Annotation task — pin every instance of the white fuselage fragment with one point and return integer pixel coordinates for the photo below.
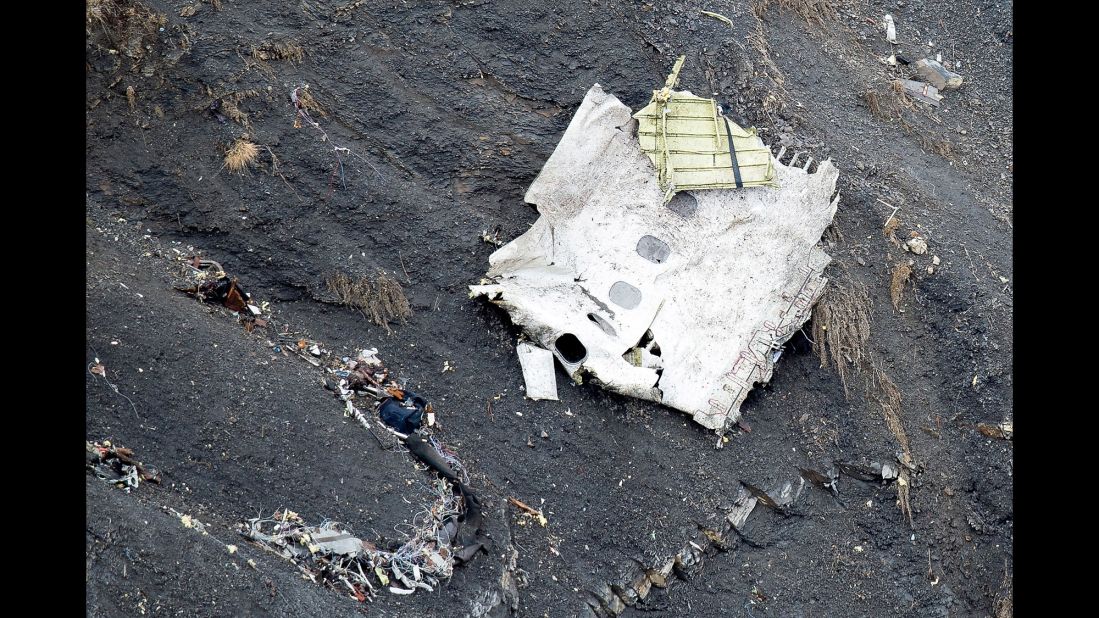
(720, 278)
(539, 375)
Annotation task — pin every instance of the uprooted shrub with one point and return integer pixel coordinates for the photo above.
(122, 26)
(841, 334)
(841, 326)
(380, 299)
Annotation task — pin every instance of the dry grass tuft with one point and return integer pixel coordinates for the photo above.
(938, 145)
(229, 106)
(309, 104)
(888, 105)
(232, 112)
(881, 388)
(125, 26)
(777, 99)
(345, 10)
(841, 327)
(279, 50)
(891, 105)
(941, 147)
(1002, 606)
(380, 300)
(99, 13)
(902, 272)
(240, 155)
(841, 335)
(890, 229)
(874, 103)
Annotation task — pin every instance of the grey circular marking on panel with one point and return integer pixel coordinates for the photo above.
(625, 295)
(653, 249)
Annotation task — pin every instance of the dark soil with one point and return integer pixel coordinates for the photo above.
(449, 109)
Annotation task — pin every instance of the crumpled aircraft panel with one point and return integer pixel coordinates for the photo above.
(686, 303)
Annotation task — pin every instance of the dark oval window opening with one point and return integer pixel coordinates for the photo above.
(570, 348)
(683, 204)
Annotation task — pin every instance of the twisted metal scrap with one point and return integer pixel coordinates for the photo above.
(421, 561)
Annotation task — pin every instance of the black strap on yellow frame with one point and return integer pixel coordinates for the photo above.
(732, 155)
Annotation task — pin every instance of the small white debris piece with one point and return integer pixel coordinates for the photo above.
(890, 29)
(315, 350)
(436, 560)
(916, 245)
(333, 541)
(447, 366)
(370, 357)
(232, 549)
(254, 309)
(538, 371)
(920, 91)
(934, 73)
(889, 471)
(396, 590)
(935, 261)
